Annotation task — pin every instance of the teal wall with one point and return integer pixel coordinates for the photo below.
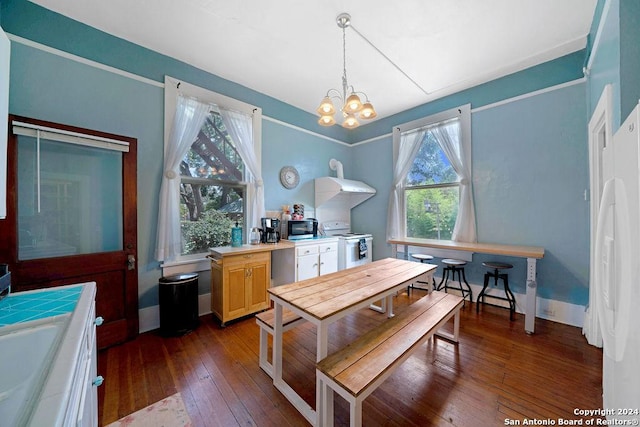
(529, 155)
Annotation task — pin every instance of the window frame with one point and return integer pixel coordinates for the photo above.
(174, 86)
(463, 113)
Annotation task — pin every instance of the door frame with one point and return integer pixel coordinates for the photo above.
(600, 131)
(46, 272)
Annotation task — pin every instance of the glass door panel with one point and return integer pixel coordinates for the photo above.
(69, 199)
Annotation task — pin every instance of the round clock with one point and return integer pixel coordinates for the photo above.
(289, 177)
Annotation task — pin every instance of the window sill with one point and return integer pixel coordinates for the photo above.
(191, 264)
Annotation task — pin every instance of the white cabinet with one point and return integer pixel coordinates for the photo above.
(69, 395)
(315, 259)
(307, 259)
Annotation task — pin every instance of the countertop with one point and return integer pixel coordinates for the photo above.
(222, 251)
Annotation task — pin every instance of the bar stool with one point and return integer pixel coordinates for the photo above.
(454, 266)
(496, 274)
(423, 259)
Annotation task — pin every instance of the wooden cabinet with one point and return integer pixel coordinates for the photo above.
(239, 284)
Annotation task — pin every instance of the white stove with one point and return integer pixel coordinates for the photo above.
(353, 248)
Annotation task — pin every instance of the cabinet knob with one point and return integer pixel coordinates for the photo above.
(97, 381)
(99, 321)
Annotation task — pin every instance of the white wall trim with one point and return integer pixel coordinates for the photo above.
(530, 94)
(298, 128)
(82, 60)
(596, 41)
(136, 77)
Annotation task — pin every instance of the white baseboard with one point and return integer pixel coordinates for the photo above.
(556, 311)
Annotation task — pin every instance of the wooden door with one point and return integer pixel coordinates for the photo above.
(72, 206)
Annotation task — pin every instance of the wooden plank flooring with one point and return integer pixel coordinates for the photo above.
(497, 373)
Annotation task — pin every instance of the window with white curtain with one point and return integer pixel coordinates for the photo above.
(432, 196)
(212, 171)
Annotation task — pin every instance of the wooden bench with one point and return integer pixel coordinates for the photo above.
(358, 369)
(266, 320)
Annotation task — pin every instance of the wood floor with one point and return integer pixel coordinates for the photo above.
(496, 375)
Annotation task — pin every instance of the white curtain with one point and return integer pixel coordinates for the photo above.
(187, 122)
(407, 150)
(240, 126)
(448, 136)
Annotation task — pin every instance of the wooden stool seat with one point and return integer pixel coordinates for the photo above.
(453, 266)
(496, 274)
(422, 258)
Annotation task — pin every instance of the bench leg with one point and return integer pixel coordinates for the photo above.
(456, 326)
(264, 361)
(355, 418)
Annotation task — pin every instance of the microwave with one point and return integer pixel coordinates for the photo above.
(302, 229)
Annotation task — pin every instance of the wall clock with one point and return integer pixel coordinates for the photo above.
(289, 177)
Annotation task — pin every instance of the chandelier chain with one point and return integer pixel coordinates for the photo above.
(344, 63)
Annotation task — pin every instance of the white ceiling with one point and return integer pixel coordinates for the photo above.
(292, 50)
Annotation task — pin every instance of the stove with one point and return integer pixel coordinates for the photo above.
(353, 248)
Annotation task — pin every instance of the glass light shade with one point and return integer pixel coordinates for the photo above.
(350, 122)
(326, 107)
(367, 111)
(326, 121)
(353, 104)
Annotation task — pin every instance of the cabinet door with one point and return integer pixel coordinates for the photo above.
(236, 291)
(328, 262)
(259, 282)
(307, 267)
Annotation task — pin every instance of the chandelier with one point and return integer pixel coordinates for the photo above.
(352, 106)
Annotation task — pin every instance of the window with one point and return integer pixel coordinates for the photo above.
(212, 188)
(432, 197)
(212, 173)
(431, 192)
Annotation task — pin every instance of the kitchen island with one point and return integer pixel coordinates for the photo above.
(240, 277)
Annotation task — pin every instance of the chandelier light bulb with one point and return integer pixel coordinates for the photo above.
(350, 122)
(326, 121)
(326, 107)
(353, 103)
(367, 111)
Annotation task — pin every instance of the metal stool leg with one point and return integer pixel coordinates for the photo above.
(466, 283)
(484, 288)
(510, 297)
(445, 279)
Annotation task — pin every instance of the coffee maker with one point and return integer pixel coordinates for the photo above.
(270, 230)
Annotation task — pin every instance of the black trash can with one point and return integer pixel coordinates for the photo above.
(178, 304)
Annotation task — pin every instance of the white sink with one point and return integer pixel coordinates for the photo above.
(26, 349)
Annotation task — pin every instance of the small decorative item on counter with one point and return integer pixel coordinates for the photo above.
(286, 213)
(298, 211)
(236, 236)
(254, 236)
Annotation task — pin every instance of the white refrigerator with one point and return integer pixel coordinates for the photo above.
(617, 271)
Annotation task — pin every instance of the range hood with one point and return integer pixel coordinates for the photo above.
(340, 192)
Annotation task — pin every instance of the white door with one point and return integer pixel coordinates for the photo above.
(600, 169)
(616, 274)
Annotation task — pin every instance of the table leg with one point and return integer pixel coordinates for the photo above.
(532, 290)
(324, 395)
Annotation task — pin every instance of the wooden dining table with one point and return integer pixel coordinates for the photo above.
(325, 299)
